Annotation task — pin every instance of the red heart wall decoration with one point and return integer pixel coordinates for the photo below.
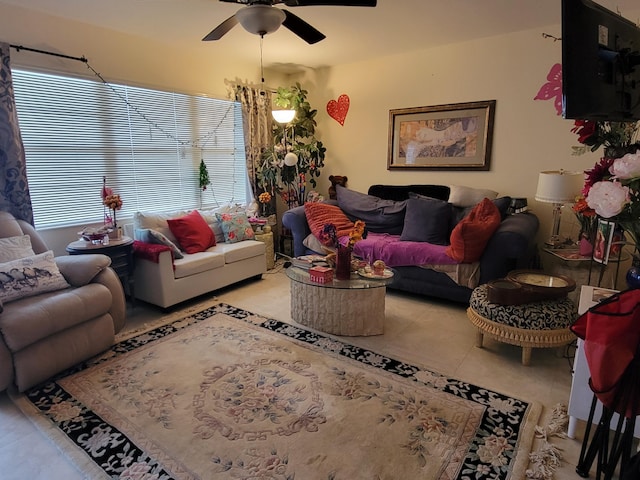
(338, 109)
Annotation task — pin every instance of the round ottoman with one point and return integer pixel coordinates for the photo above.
(530, 325)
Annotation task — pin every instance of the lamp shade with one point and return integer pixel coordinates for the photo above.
(260, 19)
(558, 186)
(283, 116)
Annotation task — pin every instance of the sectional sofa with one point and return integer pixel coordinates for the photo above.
(411, 228)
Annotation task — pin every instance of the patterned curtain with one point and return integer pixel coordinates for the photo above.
(258, 134)
(14, 188)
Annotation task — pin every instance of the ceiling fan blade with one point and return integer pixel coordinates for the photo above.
(220, 30)
(302, 28)
(337, 3)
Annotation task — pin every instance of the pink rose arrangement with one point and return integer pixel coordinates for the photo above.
(612, 189)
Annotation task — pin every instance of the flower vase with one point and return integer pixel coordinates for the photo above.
(633, 274)
(585, 247)
(343, 263)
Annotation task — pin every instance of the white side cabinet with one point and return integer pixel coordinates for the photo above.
(581, 394)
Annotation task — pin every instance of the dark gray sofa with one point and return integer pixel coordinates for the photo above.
(512, 246)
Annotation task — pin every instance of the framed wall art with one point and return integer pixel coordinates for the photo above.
(443, 137)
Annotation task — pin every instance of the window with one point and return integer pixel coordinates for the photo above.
(147, 143)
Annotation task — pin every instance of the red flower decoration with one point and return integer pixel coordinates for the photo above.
(599, 172)
(585, 129)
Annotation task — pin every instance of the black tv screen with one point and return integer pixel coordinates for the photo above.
(600, 63)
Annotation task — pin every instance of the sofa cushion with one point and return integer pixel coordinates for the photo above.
(157, 222)
(192, 232)
(197, 262)
(461, 196)
(52, 312)
(235, 226)
(235, 252)
(471, 235)
(427, 220)
(211, 219)
(30, 276)
(320, 214)
(147, 235)
(460, 212)
(385, 216)
(13, 248)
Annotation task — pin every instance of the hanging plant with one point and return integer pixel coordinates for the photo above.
(274, 175)
(204, 176)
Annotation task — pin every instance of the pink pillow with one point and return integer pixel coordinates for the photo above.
(471, 235)
(319, 214)
(192, 232)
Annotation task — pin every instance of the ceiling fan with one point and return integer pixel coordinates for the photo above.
(261, 17)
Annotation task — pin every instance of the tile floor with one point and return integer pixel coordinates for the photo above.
(431, 333)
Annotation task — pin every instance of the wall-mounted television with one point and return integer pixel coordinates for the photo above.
(600, 63)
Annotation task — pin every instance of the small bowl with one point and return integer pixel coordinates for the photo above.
(92, 237)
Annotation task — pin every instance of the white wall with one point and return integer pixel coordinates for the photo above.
(528, 134)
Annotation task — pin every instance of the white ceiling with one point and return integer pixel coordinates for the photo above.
(353, 33)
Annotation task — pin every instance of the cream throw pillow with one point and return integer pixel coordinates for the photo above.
(13, 248)
(30, 276)
(468, 196)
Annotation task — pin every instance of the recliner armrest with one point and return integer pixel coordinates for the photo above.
(79, 270)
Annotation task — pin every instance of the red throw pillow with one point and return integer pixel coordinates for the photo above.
(192, 232)
(471, 235)
(319, 214)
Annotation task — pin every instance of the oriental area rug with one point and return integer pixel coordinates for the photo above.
(227, 394)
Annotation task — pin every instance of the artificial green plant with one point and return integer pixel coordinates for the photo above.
(273, 175)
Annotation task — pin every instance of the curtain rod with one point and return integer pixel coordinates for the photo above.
(20, 47)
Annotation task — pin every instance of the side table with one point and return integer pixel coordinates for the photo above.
(267, 239)
(585, 271)
(121, 254)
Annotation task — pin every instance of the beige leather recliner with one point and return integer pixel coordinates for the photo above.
(45, 334)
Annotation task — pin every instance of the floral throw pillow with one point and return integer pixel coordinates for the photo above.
(30, 276)
(235, 226)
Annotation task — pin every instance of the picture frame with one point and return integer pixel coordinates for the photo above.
(443, 137)
(602, 249)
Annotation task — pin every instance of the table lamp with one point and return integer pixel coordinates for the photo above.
(558, 187)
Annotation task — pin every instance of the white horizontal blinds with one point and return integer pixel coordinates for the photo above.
(146, 142)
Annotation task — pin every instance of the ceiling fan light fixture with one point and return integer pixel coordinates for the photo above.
(260, 19)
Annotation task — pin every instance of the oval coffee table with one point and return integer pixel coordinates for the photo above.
(340, 307)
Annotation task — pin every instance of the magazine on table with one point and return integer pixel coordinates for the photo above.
(308, 261)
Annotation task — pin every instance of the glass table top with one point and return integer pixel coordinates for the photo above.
(354, 283)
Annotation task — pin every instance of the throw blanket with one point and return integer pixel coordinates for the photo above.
(396, 253)
(149, 251)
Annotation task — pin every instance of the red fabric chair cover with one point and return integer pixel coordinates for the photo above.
(611, 334)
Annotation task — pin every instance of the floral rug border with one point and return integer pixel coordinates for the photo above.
(503, 421)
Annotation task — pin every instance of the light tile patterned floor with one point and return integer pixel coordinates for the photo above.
(435, 334)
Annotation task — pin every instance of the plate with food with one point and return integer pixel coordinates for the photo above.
(386, 273)
(377, 270)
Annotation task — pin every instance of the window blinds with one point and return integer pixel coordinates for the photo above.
(147, 143)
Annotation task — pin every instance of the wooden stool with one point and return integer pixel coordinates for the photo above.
(531, 325)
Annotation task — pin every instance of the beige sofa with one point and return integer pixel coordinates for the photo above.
(165, 281)
(46, 333)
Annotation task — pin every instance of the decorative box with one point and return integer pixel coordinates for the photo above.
(321, 274)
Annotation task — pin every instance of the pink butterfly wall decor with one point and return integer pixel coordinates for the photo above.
(553, 88)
